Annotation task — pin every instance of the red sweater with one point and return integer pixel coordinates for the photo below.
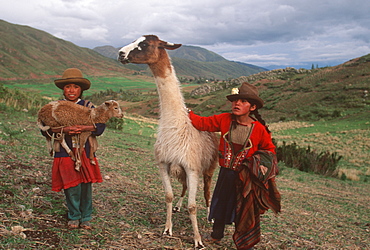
(260, 138)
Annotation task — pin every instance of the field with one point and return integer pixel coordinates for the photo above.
(317, 212)
(49, 90)
(348, 138)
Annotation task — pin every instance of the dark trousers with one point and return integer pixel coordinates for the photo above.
(79, 202)
(218, 229)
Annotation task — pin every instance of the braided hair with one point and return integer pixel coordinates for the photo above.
(258, 115)
(259, 118)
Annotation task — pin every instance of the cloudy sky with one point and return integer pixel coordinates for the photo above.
(298, 33)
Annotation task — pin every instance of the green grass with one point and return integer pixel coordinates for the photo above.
(98, 84)
(129, 210)
(116, 83)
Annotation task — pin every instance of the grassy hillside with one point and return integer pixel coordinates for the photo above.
(319, 94)
(28, 53)
(317, 212)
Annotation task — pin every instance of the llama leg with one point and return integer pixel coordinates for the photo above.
(49, 146)
(207, 181)
(79, 153)
(48, 139)
(93, 147)
(163, 170)
(67, 149)
(192, 207)
(78, 159)
(178, 206)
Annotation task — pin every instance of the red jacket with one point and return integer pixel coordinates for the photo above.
(260, 138)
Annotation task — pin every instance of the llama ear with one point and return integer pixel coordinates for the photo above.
(171, 46)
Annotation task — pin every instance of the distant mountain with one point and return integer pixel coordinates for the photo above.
(195, 62)
(28, 53)
(195, 53)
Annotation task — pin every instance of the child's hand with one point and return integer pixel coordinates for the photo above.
(73, 130)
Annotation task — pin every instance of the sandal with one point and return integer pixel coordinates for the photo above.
(86, 225)
(72, 224)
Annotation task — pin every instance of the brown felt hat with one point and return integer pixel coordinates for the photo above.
(246, 91)
(73, 75)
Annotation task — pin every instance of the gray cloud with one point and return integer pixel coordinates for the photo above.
(260, 32)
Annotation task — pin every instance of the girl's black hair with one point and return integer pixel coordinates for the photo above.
(259, 118)
(255, 113)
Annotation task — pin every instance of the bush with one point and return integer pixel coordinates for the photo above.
(307, 160)
(126, 95)
(17, 100)
(116, 123)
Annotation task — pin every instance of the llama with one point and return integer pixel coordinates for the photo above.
(59, 114)
(180, 149)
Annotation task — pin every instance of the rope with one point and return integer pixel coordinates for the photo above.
(59, 135)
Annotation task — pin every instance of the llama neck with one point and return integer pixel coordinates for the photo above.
(99, 114)
(172, 106)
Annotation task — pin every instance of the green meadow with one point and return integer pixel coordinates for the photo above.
(129, 209)
(318, 212)
(98, 84)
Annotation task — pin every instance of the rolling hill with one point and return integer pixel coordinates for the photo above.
(28, 53)
(326, 93)
(332, 92)
(195, 62)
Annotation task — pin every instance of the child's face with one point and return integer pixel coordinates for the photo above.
(72, 92)
(242, 107)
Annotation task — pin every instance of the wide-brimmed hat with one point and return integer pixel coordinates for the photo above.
(73, 75)
(246, 91)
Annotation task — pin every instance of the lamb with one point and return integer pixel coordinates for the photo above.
(180, 149)
(59, 114)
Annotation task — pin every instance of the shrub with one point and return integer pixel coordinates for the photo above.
(126, 95)
(307, 160)
(116, 123)
(14, 99)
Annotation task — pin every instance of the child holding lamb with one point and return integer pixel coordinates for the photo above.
(77, 185)
(245, 186)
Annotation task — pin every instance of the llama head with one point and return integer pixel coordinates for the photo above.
(113, 109)
(145, 50)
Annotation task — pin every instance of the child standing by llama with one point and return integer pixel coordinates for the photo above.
(77, 185)
(245, 186)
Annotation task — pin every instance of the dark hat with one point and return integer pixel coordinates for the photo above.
(246, 91)
(73, 75)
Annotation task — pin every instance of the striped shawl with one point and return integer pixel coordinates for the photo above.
(256, 193)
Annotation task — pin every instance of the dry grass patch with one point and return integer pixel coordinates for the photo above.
(352, 144)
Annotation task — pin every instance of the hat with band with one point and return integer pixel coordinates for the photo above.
(73, 75)
(246, 91)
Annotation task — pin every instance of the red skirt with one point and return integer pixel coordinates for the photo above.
(65, 176)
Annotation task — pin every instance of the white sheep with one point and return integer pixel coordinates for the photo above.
(59, 114)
